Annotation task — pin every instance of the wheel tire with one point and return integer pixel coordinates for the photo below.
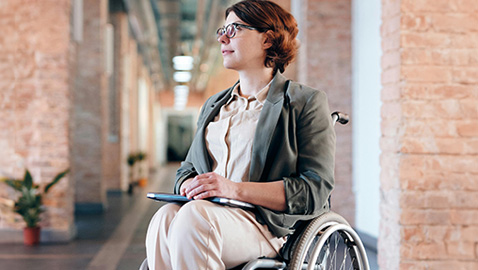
(317, 229)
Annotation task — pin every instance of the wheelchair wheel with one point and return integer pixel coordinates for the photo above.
(329, 243)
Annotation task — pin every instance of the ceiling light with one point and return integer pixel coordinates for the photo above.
(183, 62)
(182, 76)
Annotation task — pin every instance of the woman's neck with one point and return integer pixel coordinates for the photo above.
(254, 81)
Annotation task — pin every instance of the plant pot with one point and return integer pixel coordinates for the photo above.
(143, 182)
(31, 236)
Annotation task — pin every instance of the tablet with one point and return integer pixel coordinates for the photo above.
(168, 197)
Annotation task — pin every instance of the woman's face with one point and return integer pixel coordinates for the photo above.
(246, 50)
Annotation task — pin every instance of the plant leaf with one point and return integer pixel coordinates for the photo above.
(14, 183)
(56, 179)
(27, 180)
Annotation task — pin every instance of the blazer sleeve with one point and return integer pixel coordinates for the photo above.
(307, 193)
(187, 169)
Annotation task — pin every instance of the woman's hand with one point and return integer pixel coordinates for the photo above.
(184, 185)
(209, 185)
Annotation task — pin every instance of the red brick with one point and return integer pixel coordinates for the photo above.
(467, 128)
(390, 92)
(469, 108)
(422, 56)
(464, 217)
(425, 40)
(425, 5)
(451, 263)
(433, 74)
(463, 40)
(461, 250)
(424, 216)
(392, 43)
(450, 22)
(464, 57)
(469, 233)
(412, 234)
(414, 22)
(465, 200)
(412, 265)
(430, 127)
(390, 60)
(392, 111)
(391, 25)
(390, 76)
(424, 251)
(466, 6)
(465, 75)
(390, 8)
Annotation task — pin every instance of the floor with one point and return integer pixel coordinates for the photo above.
(112, 240)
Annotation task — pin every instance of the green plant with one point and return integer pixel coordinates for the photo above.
(132, 158)
(29, 204)
(140, 156)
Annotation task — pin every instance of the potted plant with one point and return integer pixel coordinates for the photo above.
(142, 182)
(131, 160)
(29, 204)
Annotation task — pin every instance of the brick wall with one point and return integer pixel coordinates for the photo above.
(35, 51)
(429, 140)
(325, 63)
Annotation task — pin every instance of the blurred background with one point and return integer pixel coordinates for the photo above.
(112, 89)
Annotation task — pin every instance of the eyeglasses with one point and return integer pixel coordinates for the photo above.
(231, 29)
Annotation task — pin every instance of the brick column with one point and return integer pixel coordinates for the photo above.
(429, 181)
(115, 170)
(120, 23)
(324, 62)
(90, 103)
(35, 47)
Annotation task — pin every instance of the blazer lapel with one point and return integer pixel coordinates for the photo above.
(266, 125)
(202, 160)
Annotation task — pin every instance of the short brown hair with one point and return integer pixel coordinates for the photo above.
(267, 15)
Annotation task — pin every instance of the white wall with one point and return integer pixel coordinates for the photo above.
(365, 118)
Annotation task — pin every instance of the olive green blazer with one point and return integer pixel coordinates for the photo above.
(294, 142)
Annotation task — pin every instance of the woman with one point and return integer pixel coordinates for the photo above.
(266, 140)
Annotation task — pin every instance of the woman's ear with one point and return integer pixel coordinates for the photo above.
(268, 37)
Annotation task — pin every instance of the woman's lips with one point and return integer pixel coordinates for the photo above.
(226, 52)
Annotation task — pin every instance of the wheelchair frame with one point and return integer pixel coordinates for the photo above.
(322, 240)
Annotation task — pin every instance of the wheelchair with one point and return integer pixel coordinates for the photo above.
(326, 242)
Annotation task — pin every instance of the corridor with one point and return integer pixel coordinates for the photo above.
(113, 240)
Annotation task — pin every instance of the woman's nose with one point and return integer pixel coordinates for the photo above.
(223, 39)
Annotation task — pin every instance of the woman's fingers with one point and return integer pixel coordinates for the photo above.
(205, 186)
(184, 186)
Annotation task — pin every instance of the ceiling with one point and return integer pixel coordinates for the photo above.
(166, 28)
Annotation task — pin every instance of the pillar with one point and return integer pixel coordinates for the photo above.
(429, 180)
(90, 110)
(35, 81)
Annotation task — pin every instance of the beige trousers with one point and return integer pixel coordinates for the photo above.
(204, 235)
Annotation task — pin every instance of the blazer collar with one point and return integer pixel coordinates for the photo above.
(266, 126)
(277, 88)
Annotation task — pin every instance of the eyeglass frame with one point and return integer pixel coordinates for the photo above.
(235, 25)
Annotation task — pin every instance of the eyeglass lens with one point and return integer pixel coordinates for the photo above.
(228, 30)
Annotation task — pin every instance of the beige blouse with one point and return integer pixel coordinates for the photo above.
(230, 136)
